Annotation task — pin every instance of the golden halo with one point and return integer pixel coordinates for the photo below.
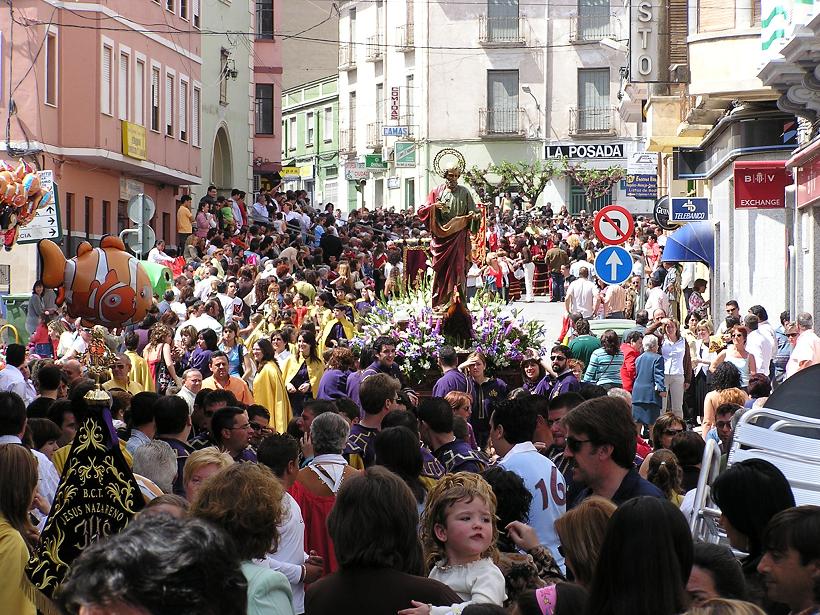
(461, 164)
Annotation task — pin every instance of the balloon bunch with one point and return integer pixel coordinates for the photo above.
(20, 197)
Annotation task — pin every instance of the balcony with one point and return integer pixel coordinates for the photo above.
(375, 48)
(501, 122)
(347, 141)
(591, 26)
(592, 120)
(374, 135)
(501, 31)
(347, 57)
(404, 38)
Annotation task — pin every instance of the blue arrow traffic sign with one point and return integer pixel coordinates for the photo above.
(613, 265)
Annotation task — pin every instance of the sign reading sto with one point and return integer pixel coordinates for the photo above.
(134, 141)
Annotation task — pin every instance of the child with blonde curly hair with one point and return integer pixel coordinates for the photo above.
(459, 534)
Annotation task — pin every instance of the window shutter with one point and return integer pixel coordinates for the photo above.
(139, 94)
(715, 16)
(183, 110)
(195, 117)
(678, 31)
(123, 87)
(106, 80)
(155, 88)
(195, 12)
(169, 105)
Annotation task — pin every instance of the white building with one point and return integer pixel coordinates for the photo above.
(498, 81)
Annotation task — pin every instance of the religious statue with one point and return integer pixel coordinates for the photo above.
(452, 215)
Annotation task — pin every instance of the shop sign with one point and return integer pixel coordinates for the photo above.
(642, 186)
(134, 142)
(394, 103)
(808, 182)
(587, 151)
(644, 42)
(291, 173)
(761, 184)
(405, 154)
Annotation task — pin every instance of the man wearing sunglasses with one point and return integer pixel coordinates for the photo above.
(563, 380)
(602, 441)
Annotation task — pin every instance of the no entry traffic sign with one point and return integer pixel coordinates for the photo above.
(614, 225)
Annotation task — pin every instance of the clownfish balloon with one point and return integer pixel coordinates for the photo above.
(102, 286)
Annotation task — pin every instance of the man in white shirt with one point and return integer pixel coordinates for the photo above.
(207, 319)
(764, 326)
(759, 345)
(280, 453)
(575, 268)
(202, 290)
(191, 385)
(231, 304)
(512, 427)
(581, 295)
(656, 299)
(157, 254)
(12, 378)
(806, 351)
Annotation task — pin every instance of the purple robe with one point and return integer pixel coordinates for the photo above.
(452, 380)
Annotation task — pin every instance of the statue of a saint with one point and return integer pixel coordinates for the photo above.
(451, 214)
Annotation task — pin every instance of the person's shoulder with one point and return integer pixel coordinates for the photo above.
(262, 579)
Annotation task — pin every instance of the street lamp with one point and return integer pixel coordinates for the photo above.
(527, 90)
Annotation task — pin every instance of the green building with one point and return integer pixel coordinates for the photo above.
(310, 139)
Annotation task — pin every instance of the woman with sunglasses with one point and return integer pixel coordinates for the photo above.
(737, 355)
(702, 358)
(665, 428)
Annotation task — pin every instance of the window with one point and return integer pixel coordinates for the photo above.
(264, 109)
(502, 21)
(106, 217)
(106, 90)
(593, 20)
(351, 111)
(223, 77)
(183, 110)
(502, 101)
(122, 216)
(195, 12)
(183, 9)
(169, 104)
(155, 98)
(89, 214)
(579, 201)
(327, 128)
(139, 93)
(196, 103)
(408, 101)
(292, 133)
(169, 5)
(123, 86)
(593, 99)
(310, 128)
(51, 68)
(264, 19)
(379, 102)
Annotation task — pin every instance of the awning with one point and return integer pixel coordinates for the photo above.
(691, 243)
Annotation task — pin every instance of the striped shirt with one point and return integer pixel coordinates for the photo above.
(604, 368)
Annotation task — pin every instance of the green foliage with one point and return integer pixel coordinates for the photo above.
(596, 182)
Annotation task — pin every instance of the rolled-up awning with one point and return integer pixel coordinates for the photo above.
(691, 243)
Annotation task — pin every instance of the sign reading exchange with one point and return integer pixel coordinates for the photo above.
(590, 151)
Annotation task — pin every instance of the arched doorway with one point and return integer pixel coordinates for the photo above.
(222, 163)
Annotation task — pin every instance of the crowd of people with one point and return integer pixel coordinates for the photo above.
(285, 473)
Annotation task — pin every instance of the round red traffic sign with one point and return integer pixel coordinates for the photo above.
(614, 225)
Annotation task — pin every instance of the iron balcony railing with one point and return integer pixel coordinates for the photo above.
(347, 57)
(404, 38)
(501, 122)
(347, 141)
(591, 120)
(374, 48)
(501, 31)
(591, 26)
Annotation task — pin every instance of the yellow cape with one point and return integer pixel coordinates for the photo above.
(269, 391)
(347, 326)
(315, 371)
(140, 372)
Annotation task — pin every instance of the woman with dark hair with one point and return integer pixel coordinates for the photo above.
(303, 372)
(716, 573)
(604, 368)
(749, 493)
(688, 447)
(760, 387)
(725, 389)
(239, 359)
(160, 359)
(269, 385)
(246, 500)
(397, 449)
(35, 307)
(486, 390)
(201, 356)
(636, 577)
(186, 344)
(677, 365)
(18, 475)
(532, 372)
(374, 528)
(737, 354)
(333, 383)
(535, 567)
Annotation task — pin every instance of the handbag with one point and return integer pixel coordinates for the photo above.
(163, 376)
(518, 274)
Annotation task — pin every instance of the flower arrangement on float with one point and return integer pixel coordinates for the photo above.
(499, 332)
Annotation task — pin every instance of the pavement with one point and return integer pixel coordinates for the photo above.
(551, 314)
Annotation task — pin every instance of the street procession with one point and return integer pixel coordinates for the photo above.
(410, 307)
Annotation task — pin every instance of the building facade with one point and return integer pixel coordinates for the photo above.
(721, 134)
(497, 81)
(267, 92)
(310, 142)
(228, 100)
(308, 31)
(112, 111)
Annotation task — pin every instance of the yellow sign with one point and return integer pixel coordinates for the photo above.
(290, 172)
(306, 171)
(134, 141)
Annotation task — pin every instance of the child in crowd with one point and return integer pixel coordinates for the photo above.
(666, 474)
(459, 534)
